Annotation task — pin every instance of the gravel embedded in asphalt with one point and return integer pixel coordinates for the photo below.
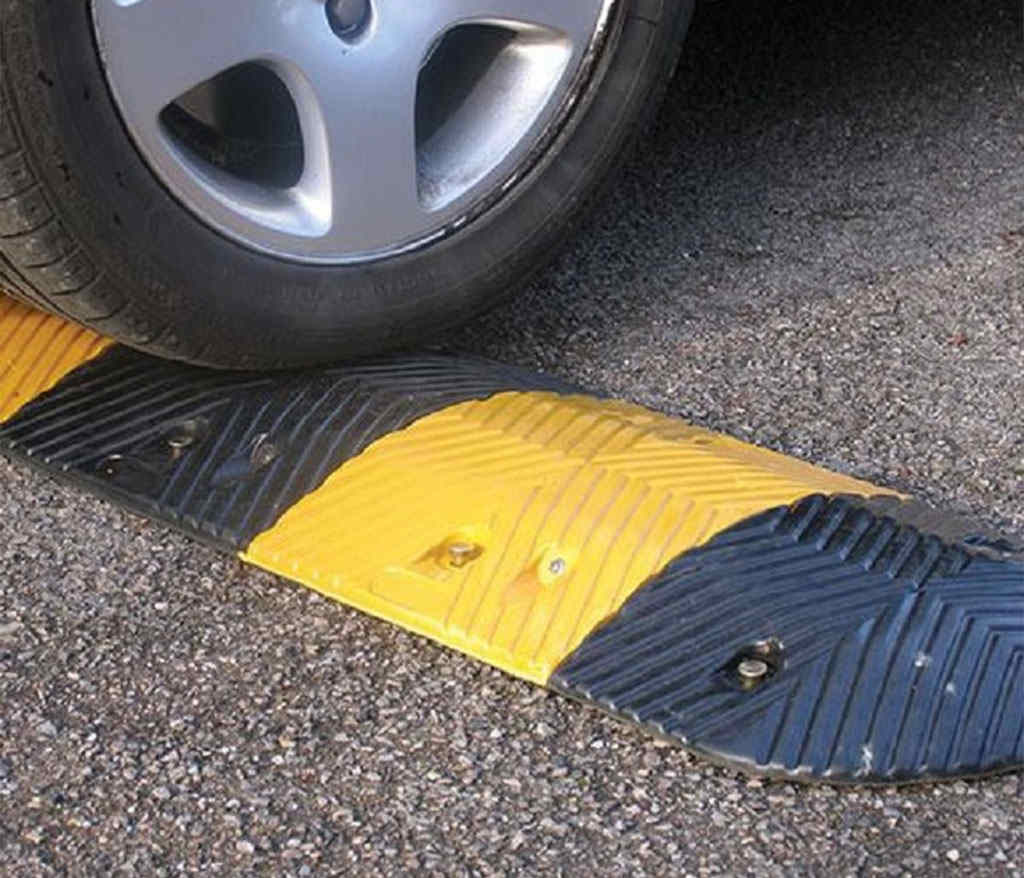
(818, 249)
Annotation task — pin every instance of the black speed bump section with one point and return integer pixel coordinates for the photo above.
(221, 455)
(823, 640)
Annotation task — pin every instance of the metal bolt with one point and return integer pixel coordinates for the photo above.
(752, 669)
(180, 439)
(462, 553)
(111, 466)
(557, 567)
(264, 452)
(184, 435)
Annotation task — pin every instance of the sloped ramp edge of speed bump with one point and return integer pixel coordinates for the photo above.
(756, 609)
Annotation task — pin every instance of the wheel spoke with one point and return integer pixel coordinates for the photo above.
(357, 111)
(165, 47)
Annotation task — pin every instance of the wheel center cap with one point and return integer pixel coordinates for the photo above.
(348, 18)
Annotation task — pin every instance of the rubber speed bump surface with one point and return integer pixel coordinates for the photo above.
(756, 609)
(563, 506)
(36, 351)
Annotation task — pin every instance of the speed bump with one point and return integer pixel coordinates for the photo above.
(760, 611)
(37, 351)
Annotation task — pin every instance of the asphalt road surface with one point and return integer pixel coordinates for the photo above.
(819, 249)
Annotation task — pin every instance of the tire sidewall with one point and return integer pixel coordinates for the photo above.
(197, 294)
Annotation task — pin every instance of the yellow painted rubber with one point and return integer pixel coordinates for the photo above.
(508, 529)
(36, 351)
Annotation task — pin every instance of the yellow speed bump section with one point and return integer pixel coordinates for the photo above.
(36, 351)
(510, 528)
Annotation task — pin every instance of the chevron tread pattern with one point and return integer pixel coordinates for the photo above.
(612, 491)
(893, 636)
(900, 656)
(260, 441)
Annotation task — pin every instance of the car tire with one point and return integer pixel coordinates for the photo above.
(88, 230)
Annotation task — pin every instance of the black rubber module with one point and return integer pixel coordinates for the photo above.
(831, 640)
(223, 455)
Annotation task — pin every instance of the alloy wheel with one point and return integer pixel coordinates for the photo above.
(345, 131)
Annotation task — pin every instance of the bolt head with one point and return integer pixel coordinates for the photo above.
(185, 434)
(180, 440)
(752, 669)
(264, 452)
(461, 553)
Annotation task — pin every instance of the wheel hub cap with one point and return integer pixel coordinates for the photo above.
(348, 17)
